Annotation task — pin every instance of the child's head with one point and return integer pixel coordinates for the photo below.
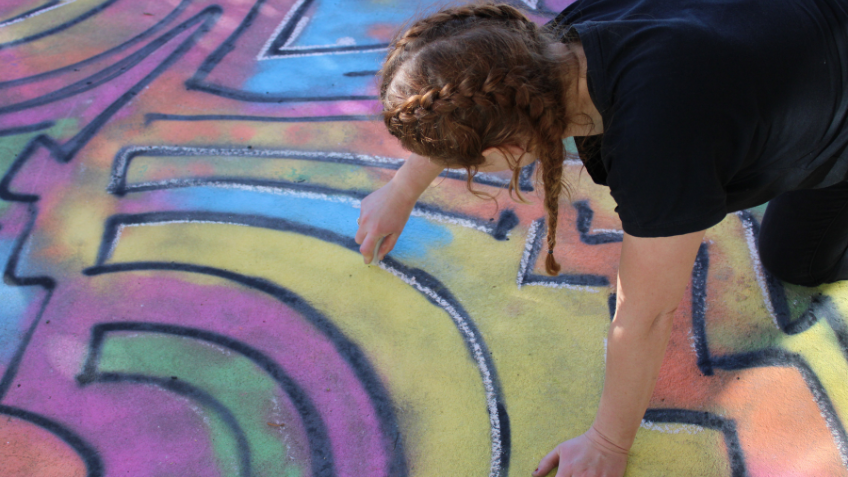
(472, 78)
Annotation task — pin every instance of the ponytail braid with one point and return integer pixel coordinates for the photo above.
(476, 77)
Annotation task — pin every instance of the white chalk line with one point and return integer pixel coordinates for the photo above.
(286, 19)
(607, 231)
(525, 264)
(120, 168)
(459, 320)
(298, 29)
(820, 399)
(35, 14)
(355, 203)
(671, 428)
(307, 50)
(477, 354)
(528, 248)
(759, 272)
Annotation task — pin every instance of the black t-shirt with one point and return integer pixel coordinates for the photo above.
(712, 106)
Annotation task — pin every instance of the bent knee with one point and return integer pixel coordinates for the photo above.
(794, 268)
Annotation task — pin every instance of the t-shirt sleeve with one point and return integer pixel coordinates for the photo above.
(664, 144)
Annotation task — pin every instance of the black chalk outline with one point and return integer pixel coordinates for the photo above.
(706, 420)
(30, 13)
(123, 46)
(110, 72)
(124, 157)
(112, 230)
(585, 215)
(11, 278)
(323, 464)
(150, 118)
(64, 153)
(27, 129)
(278, 49)
(61, 27)
(535, 236)
(194, 393)
(507, 220)
(774, 287)
(583, 223)
(198, 81)
(767, 357)
(354, 74)
(87, 453)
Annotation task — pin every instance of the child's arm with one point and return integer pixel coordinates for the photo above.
(386, 210)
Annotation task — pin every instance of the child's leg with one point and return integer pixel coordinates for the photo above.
(804, 236)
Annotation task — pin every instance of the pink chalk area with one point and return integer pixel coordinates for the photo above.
(146, 431)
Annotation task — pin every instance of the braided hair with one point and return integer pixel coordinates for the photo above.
(475, 77)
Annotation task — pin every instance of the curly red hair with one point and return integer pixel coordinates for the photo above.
(476, 77)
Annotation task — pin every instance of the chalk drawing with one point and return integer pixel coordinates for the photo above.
(35, 12)
(183, 294)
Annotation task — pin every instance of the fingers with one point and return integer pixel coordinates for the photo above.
(366, 248)
(374, 248)
(388, 244)
(376, 257)
(547, 464)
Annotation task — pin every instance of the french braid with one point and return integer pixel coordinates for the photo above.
(470, 78)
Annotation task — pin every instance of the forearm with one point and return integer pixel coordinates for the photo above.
(635, 349)
(652, 278)
(415, 175)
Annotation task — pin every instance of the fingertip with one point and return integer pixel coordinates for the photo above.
(547, 464)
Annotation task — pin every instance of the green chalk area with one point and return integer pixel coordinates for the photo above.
(12, 146)
(232, 379)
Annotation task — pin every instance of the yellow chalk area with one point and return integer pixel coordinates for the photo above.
(737, 317)
(819, 347)
(678, 450)
(413, 345)
(44, 21)
(547, 344)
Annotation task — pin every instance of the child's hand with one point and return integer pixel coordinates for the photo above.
(589, 455)
(384, 214)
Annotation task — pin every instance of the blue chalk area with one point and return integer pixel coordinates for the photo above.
(15, 302)
(331, 20)
(419, 237)
(317, 76)
(335, 22)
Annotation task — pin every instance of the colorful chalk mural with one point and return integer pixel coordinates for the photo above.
(182, 293)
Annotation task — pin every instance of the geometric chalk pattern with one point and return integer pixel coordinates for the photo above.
(182, 293)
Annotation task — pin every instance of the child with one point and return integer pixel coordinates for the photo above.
(686, 110)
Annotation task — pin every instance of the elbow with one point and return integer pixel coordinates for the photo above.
(664, 319)
(644, 325)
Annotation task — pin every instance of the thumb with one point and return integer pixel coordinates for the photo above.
(547, 464)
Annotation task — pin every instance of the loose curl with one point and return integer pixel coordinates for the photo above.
(476, 77)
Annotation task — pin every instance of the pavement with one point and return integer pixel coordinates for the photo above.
(182, 293)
